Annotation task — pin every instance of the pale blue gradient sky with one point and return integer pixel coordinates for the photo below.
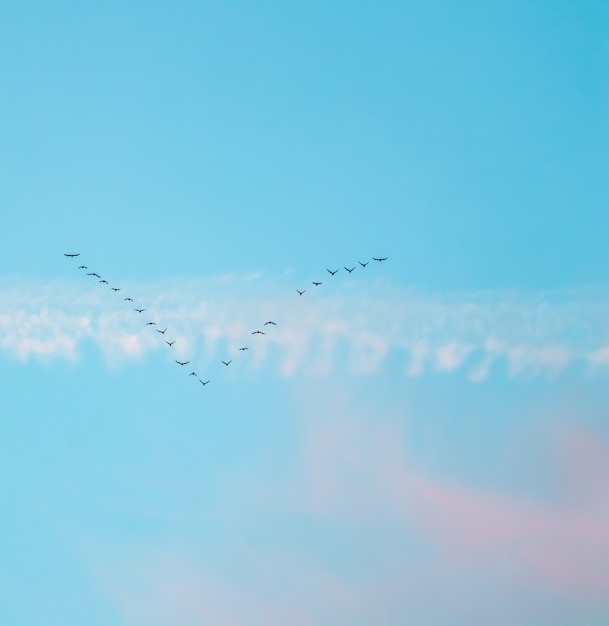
(423, 441)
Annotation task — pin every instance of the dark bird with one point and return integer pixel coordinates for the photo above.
(103, 281)
(332, 272)
(270, 322)
(139, 310)
(363, 264)
(383, 259)
(93, 274)
(192, 374)
(349, 270)
(241, 349)
(258, 332)
(83, 267)
(160, 331)
(115, 288)
(129, 299)
(316, 284)
(182, 362)
(151, 324)
(71, 255)
(227, 363)
(203, 383)
(300, 292)
(170, 343)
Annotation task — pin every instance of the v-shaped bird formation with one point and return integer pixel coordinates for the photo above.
(151, 323)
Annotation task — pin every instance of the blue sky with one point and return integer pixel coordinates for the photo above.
(424, 440)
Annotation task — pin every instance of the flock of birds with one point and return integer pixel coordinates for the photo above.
(162, 332)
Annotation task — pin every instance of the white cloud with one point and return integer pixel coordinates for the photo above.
(600, 356)
(451, 355)
(532, 333)
(418, 353)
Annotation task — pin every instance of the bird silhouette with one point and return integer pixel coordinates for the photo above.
(227, 364)
(203, 383)
(170, 343)
(139, 310)
(192, 374)
(300, 292)
(258, 332)
(363, 264)
(182, 362)
(349, 270)
(160, 331)
(241, 349)
(270, 322)
(129, 299)
(333, 272)
(382, 259)
(103, 281)
(115, 288)
(71, 255)
(93, 274)
(150, 323)
(317, 284)
(83, 267)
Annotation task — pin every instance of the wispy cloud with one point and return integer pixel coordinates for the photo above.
(418, 547)
(358, 471)
(361, 327)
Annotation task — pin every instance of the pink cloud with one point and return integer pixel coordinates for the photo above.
(562, 542)
(565, 545)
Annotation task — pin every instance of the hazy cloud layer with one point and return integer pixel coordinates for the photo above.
(413, 546)
(360, 325)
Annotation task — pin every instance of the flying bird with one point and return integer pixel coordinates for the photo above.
(241, 349)
(227, 364)
(316, 284)
(363, 264)
(151, 324)
(258, 332)
(93, 274)
(160, 331)
(270, 322)
(83, 267)
(192, 374)
(115, 288)
(139, 310)
(170, 343)
(182, 362)
(103, 281)
(71, 255)
(300, 292)
(129, 299)
(349, 270)
(203, 383)
(332, 272)
(383, 259)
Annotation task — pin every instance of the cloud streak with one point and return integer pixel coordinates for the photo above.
(357, 470)
(421, 547)
(360, 327)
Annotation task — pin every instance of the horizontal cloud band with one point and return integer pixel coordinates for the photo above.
(531, 332)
